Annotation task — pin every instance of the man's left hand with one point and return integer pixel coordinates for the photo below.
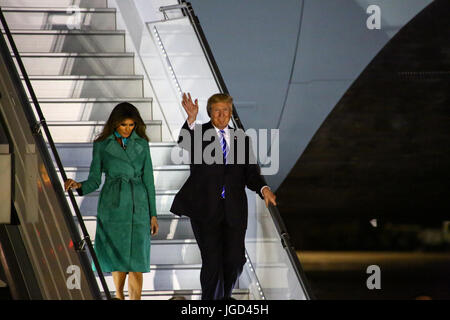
(269, 197)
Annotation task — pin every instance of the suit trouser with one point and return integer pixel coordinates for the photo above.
(222, 248)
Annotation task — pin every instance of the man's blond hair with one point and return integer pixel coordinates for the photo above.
(218, 97)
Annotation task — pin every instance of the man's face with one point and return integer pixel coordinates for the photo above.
(126, 127)
(221, 114)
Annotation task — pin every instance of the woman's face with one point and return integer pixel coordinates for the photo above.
(125, 127)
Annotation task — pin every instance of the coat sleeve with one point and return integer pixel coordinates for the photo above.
(253, 178)
(149, 182)
(95, 173)
(188, 132)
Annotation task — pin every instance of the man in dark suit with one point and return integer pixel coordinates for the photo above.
(214, 194)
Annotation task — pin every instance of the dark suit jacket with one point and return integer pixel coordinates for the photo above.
(199, 198)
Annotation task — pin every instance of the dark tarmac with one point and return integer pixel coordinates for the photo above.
(404, 275)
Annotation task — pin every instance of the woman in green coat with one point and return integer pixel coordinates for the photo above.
(126, 212)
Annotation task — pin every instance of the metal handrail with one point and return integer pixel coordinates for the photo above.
(276, 217)
(36, 128)
(286, 243)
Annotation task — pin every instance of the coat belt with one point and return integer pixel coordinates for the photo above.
(116, 187)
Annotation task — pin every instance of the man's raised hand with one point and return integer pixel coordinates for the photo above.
(190, 107)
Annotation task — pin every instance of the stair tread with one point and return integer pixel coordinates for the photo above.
(165, 215)
(170, 242)
(197, 266)
(191, 290)
(236, 290)
(159, 192)
(83, 77)
(175, 266)
(186, 292)
(56, 3)
(169, 167)
(164, 242)
(174, 241)
(55, 9)
(91, 122)
(76, 32)
(75, 54)
(89, 144)
(112, 99)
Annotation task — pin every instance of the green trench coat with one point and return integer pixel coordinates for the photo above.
(126, 203)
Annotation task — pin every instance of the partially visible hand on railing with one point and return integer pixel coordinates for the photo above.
(269, 197)
(71, 184)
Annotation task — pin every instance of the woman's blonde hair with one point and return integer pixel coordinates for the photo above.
(218, 97)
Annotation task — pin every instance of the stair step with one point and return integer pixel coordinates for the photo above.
(55, 3)
(192, 294)
(59, 64)
(174, 252)
(238, 294)
(163, 278)
(163, 262)
(90, 109)
(182, 251)
(44, 18)
(171, 227)
(80, 154)
(166, 177)
(168, 277)
(87, 86)
(88, 203)
(69, 41)
(186, 252)
(86, 131)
